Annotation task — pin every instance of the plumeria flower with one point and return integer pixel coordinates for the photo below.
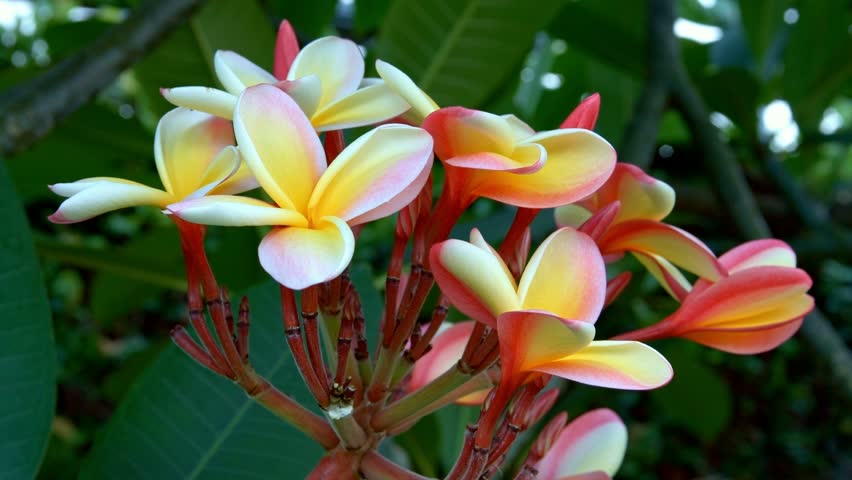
(315, 204)
(326, 78)
(627, 212)
(195, 156)
(591, 447)
(502, 158)
(759, 306)
(545, 323)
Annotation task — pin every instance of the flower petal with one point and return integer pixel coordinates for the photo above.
(520, 130)
(236, 73)
(529, 338)
(566, 276)
(306, 91)
(211, 100)
(765, 252)
(571, 215)
(461, 131)
(234, 211)
(279, 145)
(675, 245)
(594, 441)
(578, 162)
(585, 115)
(746, 341)
(614, 364)
(474, 280)
(421, 104)
(336, 61)
(525, 158)
(286, 50)
(365, 106)
(667, 274)
(92, 197)
(185, 143)
(642, 196)
(365, 180)
(752, 297)
(300, 257)
(228, 174)
(478, 240)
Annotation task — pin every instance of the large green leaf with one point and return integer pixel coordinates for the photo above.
(27, 357)
(181, 421)
(612, 31)
(461, 51)
(186, 57)
(816, 60)
(763, 19)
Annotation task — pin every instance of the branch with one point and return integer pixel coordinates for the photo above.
(640, 138)
(31, 110)
(737, 197)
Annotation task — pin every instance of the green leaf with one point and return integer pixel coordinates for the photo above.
(697, 399)
(369, 15)
(422, 443)
(762, 19)
(611, 31)
(92, 142)
(26, 344)
(181, 421)
(186, 57)
(460, 52)
(310, 19)
(816, 61)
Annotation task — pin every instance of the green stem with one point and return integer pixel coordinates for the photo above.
(291, 412)
(450, 386)
(346, 427)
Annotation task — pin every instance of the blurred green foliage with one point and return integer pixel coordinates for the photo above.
(776, 73)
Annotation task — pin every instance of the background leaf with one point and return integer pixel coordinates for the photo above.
(459, 52)
(181, 421)
(27, 356)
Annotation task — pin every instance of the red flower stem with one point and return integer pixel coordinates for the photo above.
(334, 144)
(290, 411)
(392, 286)
(344, 342)
(338, 463)
(188, 345)
(528, 472)
(196, 318)
(421, 347)
(334, 295)
(294, 339)
(523, 218)
(243, 329)
(376, 467)
(406, 323)
(478, 461)
(216, 308)
(463, 460)
(310, 312)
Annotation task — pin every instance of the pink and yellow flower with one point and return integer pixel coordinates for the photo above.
(591, 447)
(326, 78)
(195, 156)
(315, 204)
(626, 214)
(759, 306)
(545, 323)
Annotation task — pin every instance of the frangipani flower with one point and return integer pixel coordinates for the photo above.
(589, 448)
(195, 156)
(312, 242)
(759, 306)
(627, 212)
(545, 323)
(501, 158)
(326, 78)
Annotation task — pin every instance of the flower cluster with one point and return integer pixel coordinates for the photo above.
(531, 317)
